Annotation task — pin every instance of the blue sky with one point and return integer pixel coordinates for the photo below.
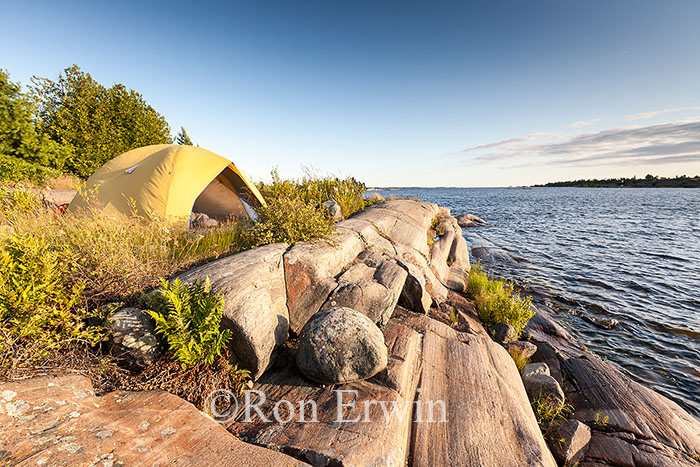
(445, 93)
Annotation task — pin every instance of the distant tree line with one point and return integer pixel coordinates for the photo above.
(72, 125)
(650, 181)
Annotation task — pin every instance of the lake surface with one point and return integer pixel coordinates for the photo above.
(596, 255)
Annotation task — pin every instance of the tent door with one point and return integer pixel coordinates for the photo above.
(220, 201)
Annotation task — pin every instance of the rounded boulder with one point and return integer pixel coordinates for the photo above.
(340, 345)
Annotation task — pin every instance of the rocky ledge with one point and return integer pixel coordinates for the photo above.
(365, 352)
(631, 424)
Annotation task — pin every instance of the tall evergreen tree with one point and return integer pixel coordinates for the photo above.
(183, 138)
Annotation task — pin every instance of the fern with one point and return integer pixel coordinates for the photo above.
(189, 319)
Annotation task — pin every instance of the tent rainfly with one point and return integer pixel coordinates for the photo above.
(169, 181)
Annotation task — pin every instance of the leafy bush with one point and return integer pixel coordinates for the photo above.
(190, 322)
(497, 302)
(314, 190)
(294, 210)
(16, 170)
(288, 219)
(17, 202)
(39, 311)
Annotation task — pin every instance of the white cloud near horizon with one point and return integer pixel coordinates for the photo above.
(583, 123)
(666, 143)
(654, 113)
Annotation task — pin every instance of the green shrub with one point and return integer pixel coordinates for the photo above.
(348, 192)
(39, 311)
(17, 202)
(314, 190)
(497, 302)
(25, 153)
(295, 212)
(288, 219)
(16, 170)
(190, 322)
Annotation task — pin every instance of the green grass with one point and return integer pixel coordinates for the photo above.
(519, 360)
(497, 301)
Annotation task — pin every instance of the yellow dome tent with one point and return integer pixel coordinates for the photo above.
(169, 181)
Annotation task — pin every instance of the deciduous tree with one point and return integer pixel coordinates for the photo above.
(94, 122)
(24, 153)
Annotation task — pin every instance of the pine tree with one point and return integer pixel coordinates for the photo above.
(183, 138)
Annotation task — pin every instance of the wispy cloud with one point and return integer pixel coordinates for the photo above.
(654, 113)
(507, 142)
(654, 144)
(583, 123)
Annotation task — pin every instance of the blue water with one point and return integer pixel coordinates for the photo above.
(597, 255)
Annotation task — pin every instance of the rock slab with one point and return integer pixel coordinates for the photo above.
(483, 401)
(352, 428)
(569, 440)
(310, 269)
(59, 421)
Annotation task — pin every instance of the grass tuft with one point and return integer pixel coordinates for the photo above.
(497, 301)
(548, 412)
(519, 359)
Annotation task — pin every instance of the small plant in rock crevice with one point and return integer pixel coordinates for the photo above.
(519, 359)
(693, 454)
(454, 316)
(601, 421)
(548, 412)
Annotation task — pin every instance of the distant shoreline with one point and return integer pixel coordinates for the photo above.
(650, 181)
